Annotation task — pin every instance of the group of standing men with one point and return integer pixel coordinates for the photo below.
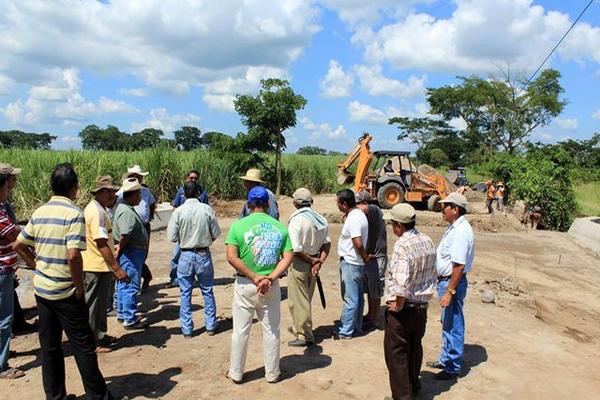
(494, 193)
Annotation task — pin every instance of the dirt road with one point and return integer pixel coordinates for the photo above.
(539, 340)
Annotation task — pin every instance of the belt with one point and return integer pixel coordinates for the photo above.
(446, 278)
(197, 249)
(416, 306)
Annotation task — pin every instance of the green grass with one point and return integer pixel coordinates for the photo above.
(588, 198)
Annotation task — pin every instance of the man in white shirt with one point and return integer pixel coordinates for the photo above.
(309, 235)
(353, 257)
(454, 260)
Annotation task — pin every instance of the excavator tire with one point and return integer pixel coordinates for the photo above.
(433, 203)
(390, 194)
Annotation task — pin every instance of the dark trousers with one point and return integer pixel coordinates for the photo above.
(97, 289)
(19, 315)
(71, 315)
(403, 350)
(146, 274)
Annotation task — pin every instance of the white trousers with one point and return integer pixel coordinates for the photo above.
(246, 302)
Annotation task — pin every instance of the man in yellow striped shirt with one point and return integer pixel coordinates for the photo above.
(57, 232)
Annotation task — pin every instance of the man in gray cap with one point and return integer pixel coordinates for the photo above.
(409, 285)
(309, 235)
(377, 247)
(455, 255)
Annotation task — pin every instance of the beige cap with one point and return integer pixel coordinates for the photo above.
(137, 170)
(130, 185)
(403, 213)
(104, 182)
(302, 195)
(456, 199)
(362, 196)
(7, 169)
(253, 175)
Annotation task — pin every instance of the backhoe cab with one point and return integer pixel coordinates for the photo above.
(390, 177)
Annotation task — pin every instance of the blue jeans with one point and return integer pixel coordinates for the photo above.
(453, 327)
(131, 261)
(7, 302)
(352, 277)
(196, 265)
(174, 262)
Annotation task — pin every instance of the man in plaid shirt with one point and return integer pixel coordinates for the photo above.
(409, 285)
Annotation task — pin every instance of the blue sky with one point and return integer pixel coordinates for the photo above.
(163, 64)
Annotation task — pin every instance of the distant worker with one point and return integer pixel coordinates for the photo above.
(490, 196)
(353, 257)
(454, 260)
(388, 168)
(309, 235)
(535, 216)
(251, 180)
(377, 248)
(191, 176)
(193, 226)
(409, 285)
(500, 189)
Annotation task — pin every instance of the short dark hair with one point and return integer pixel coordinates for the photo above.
(461, 211)
(409, 226)
(346, 196)
(127, 195)
(191, 190)
(253, 204)
(192, 171)
(4, 179)
(63, 179)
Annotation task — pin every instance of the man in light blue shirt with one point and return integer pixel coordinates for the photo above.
(252, 179)
(193, 226)
(454, 260)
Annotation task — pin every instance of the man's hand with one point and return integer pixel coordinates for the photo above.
(121, 275)
(263, 286)
(446, 299)
(116, 251)
(394, 307)
(79, 292)
(316, 268)
(369, 258)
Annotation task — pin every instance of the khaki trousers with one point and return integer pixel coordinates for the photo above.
(301, 287)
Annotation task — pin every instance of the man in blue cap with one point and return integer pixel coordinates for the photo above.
(259, 248)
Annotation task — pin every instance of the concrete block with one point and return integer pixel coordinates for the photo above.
(586, 231)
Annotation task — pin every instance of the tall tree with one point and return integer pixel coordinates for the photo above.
(20, 139)
(499, 112)
(269, 114)
(146, 138)
(108, 139)
(188, 138)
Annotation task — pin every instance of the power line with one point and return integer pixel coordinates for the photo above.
(558, 44)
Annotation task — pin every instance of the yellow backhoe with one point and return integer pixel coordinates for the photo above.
(392, 178)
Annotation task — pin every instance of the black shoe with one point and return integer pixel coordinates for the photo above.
(145, 285)
(298, 343)
(445, 376)
(435, 364)
(136, 326)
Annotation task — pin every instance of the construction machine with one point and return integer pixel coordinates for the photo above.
(391, 178)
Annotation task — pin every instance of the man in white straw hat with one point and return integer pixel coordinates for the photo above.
(132, 238)
(252, 179)
(409, 285)
(455, 255)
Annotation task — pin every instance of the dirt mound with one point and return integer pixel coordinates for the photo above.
(425, 169)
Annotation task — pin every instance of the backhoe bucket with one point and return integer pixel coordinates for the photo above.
(344, 178)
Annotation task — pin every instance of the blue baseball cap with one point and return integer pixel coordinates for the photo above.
(258, 195)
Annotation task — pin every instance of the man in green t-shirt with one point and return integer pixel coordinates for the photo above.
(259, 248)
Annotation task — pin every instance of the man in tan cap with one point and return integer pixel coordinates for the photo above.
(132, 238)
(252, 179)
(455, 255)
(309, 235)
(409, 285)
(99, 263)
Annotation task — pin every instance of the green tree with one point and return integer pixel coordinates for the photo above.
(312, 151)
(499, 112)
(24, 140)
(108, 139)
(268, 115)
(146, 138)
(188, 138)
(218, 141)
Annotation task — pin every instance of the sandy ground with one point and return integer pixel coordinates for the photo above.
(539, 340)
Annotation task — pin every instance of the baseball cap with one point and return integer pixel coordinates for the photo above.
(362, 196)
(403, 213)
(258, 195)
(456, 199)
(7, 169)
(302, 195)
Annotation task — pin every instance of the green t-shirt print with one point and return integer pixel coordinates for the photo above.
(261, 240)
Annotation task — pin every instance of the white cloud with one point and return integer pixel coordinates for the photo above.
(135, 92)
(336, 83)
(480, 36)
(374, 83)
(359, 112)
(168, 45)
(596, 115)
(219, 95)
(323, 129)
(59, 100)
(360, 12)
(161, 119)
(568, 124)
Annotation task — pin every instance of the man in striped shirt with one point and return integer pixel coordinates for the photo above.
(57, 232)
(409, 285)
